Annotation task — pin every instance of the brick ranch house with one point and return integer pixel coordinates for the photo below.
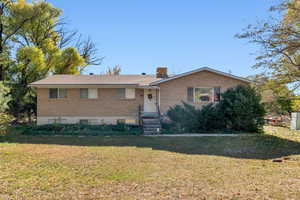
(109, 99)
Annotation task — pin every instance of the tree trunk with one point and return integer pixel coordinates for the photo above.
(29, 115)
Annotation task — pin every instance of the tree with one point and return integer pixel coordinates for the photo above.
(279, 39)
(277, 98)
(114, 70)
(10, 24)
(4, 98)
(42, 46)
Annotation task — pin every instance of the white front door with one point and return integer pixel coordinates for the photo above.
(150, 100)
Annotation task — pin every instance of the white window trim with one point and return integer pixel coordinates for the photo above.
(212, 98)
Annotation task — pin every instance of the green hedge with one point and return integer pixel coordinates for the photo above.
(78, 129)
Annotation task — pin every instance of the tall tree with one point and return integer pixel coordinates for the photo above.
(10, 24)
(42, 46)
(279, 39)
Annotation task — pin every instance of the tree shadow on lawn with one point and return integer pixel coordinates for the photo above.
(249, 147)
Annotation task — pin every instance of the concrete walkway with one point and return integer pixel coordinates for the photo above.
(200, 135)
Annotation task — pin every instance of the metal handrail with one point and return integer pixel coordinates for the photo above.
(140, 110)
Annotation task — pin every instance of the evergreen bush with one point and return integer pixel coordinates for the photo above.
(238, 110)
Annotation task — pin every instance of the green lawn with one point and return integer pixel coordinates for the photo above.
(137, 167)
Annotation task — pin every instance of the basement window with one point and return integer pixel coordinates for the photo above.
(88, 121)
(57, 121)
(126, 121)
(83, 122)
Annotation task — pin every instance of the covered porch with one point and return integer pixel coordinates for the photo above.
(149, 112)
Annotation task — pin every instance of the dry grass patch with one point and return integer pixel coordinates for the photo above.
(40, 167)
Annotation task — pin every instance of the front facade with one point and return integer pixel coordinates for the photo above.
(109, 99)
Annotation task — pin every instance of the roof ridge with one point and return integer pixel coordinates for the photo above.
(199, 70)
(101, 75)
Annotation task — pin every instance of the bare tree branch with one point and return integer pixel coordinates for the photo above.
(88, 51)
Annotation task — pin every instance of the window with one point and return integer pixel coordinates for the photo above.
(121, 121)
(130, 93)
(130, 121)
(83, 122)
(126, 93)
(203, 94)
(57, 121)
(57, 93)
(217, 94)
(88, 121)
(190, 95)
(121, 93)
(53, 93)
(88, 93)
(126, 121)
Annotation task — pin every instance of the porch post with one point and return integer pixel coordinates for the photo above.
(158, 99)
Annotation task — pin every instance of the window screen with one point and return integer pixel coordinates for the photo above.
(62, 93)
(84, 122)
(190, 94)
(217, 94)
(84, 93)
(121, 93)
(126, 93)
(93, 93)
(88, 93)
(53, 93)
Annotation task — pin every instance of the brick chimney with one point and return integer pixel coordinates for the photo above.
(162, 72)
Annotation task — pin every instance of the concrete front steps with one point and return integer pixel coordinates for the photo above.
(151, 124)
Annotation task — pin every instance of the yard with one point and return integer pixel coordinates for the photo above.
(136, 167)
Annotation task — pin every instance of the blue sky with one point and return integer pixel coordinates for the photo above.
(140, 35)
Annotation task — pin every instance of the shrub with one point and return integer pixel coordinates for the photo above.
(238, 110)
(5, 121)
(187, 118)
(241, 110)
(80, 129)
(209, 118)
(183, 118)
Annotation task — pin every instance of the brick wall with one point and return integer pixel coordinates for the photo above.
(175, 91)
(108, 104)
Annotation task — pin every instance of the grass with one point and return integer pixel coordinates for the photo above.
(136, 167)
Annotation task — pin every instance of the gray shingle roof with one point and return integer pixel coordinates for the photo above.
(137, 80)
(141, 80)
